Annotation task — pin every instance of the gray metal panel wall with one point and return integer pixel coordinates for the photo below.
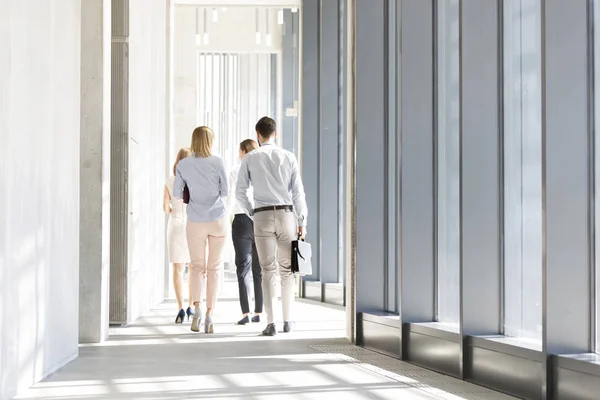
(342, 134)
(480, 168)
(566, 178)
(310, 123)
(289, 80)
(370, 116)
(120, 18)
(417, 222)
(119, 208)
(323, 135)
(328, 141)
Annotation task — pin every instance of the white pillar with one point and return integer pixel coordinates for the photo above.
(95, 170)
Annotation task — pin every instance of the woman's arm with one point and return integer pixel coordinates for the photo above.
(166, 201)
(223, 180)
(178, 185)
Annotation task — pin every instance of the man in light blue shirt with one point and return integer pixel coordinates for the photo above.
(279, 210)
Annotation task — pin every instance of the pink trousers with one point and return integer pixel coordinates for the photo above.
(206, 241)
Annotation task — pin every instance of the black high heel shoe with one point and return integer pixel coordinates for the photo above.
(180, 317)
(189, 312)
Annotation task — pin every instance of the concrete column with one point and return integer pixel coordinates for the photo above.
(94, 225)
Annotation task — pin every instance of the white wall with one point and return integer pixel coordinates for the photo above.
(148, 129)
(39, 195)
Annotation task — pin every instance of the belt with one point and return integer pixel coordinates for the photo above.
(274, 208)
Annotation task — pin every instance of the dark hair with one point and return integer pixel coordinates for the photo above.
(266, 127)
(248, 145)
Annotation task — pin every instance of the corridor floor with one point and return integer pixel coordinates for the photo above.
(156, 359)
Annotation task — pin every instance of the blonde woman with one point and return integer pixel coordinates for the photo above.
(246, 258)
(177, 246)
(208, 222)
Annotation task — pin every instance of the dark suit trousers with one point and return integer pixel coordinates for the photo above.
(246, 260)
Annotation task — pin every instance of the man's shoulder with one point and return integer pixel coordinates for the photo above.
(288, 154)
(268, 152)
(280, 151)
(253, 155)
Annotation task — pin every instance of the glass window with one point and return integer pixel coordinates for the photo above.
(448, 163)
(522, 170)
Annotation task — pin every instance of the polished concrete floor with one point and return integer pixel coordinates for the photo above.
(156, 359)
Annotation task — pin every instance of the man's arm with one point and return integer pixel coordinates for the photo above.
(241, 190)
(298, 196)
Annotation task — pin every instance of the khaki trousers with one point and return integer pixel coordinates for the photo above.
(206, 241)
(273, 234)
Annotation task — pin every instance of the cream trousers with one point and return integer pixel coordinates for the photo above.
(273, 235)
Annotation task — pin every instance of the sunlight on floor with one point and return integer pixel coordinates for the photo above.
(155, 359)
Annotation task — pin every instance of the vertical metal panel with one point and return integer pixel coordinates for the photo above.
(289, 79)
(120, 18)
(566, 178)
(311, 37)
(342, 142)
(328, 141)
(370, 116)
(480, 168)
(119, 208)
(273, 81)
(391, 159)
(417, 229)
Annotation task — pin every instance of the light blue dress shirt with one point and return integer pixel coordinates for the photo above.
(274, 175)
(207, 182)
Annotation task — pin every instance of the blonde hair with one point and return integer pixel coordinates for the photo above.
(184, 152)
(202, 141)
(248, 145)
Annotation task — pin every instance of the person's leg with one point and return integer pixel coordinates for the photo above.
(178, 283)
(266, 245)
(287, 231)
(257, 278)
(190, 298)
(243, 259)
(196, 237)
(216, 244)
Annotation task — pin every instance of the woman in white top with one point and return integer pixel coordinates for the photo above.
(177, 245)
(246, 258)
